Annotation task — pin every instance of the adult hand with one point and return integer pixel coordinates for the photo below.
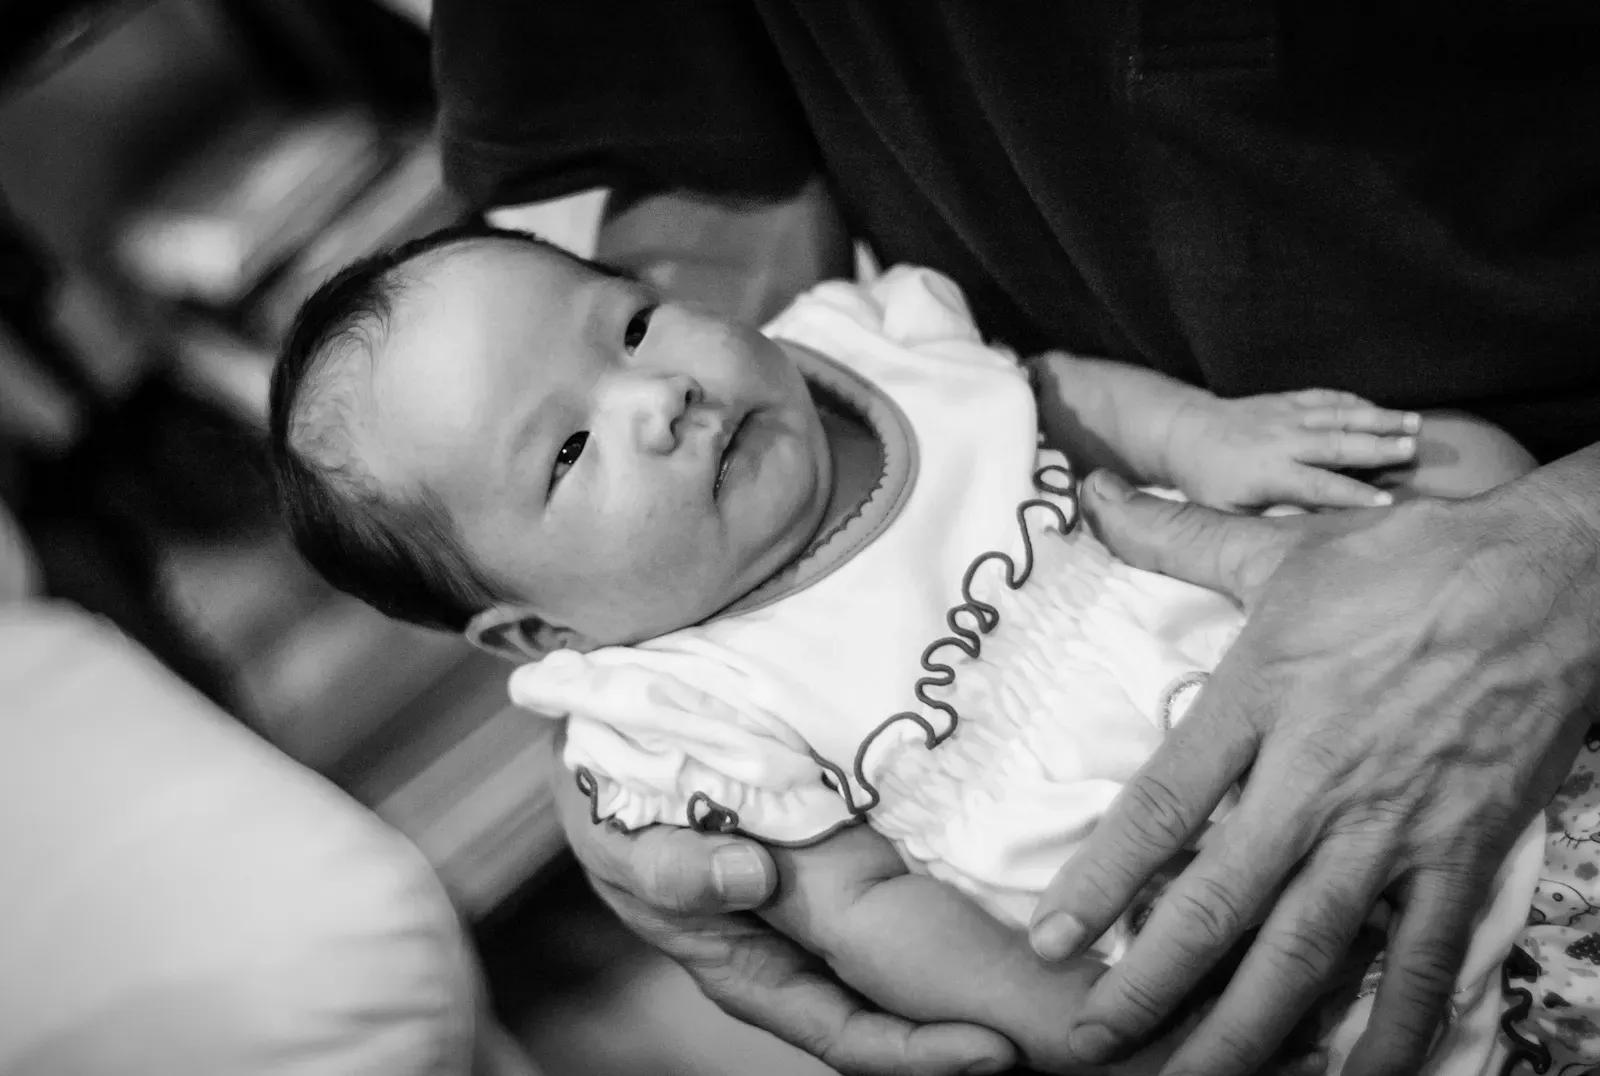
(1409, 688)
(686, 892)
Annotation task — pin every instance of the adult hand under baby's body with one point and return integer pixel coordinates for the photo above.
(1286, 448)
(1410, 687)
(688, 894)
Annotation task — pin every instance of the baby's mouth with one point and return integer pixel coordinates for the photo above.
(728, 450)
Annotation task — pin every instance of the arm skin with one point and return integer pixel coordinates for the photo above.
(1108, 414)
(926, 952)
(1294, 448)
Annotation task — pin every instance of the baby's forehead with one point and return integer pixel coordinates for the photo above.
(491, 259)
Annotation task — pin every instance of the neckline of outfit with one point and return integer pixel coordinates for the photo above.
(835, 545)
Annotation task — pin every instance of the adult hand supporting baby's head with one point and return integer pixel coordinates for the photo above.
(686, 894)
(1410, 686)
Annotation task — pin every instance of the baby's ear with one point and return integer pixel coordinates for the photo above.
(519, 634)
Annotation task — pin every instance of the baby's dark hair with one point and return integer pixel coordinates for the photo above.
(403, 555)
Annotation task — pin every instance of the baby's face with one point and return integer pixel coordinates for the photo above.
(626, 466)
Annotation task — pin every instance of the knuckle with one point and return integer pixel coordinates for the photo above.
(1246, 563)
(851, 1050)
(1107, 887)
(1324, 484)
(1308, 951)
(1142, 1003)
(1236, 1050)
(664, 887)
(1213, 912)
(1429, 973)
(1155, 820)
(1323, 755)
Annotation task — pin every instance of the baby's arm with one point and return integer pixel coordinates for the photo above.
(1104, 413)
(922, 950)
(1279, 448)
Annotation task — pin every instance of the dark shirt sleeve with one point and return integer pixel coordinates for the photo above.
(539, 99)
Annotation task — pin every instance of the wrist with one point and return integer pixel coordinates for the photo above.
(1189, 414)
(1566, 495)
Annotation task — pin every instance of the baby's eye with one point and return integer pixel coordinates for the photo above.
(638, 325)
(571, 449)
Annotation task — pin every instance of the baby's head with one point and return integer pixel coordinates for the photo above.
(479, 420)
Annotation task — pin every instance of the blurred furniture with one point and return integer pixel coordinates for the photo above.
(176, 897)
(192, 169)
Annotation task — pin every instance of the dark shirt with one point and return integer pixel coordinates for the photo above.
(1404, 204)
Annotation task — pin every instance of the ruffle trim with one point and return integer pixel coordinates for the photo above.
(628, 810)
(968, 621)
(1519, 1005)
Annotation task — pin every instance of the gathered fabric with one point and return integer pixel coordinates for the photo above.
(977, 680)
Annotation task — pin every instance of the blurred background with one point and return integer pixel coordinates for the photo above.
(175, 176)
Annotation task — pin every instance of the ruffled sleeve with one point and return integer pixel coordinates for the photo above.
(648, 745)
(911, 307)
(925, 312)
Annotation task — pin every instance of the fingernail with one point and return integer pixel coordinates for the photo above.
(1092, 1043)
(740, 875)
(1413, 422)
(1406, 445)
(1382, 499)
(1315, 1063)
(1056, 936)
(1111, 486)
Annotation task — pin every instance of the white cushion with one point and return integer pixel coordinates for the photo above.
(177, 897)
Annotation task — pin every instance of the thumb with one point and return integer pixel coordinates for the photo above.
(1231, 553)
(680, 872)
(670, 869)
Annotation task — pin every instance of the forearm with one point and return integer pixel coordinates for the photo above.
(741, 258)
(1104, 413)
(921, 950)
(1567, 492)
(1554, 518)
(951, 961)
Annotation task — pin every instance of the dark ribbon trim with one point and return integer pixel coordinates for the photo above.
(968, 621)
(967, 637)
(1534, 1052)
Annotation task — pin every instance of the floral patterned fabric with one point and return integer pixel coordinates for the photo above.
(1553, 975)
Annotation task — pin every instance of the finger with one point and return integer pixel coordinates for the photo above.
(1359, 416)
(1210, 906)
(1312, 487)
(1302, 947)
(773, 984)
(1419, 971)
(1328, 398)
(1230, 553)
(1150, 821)
(1344, 448)
(673, 870)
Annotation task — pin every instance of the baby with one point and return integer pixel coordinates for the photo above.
(785, 582)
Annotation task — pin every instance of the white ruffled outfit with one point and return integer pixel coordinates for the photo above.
(790, 719)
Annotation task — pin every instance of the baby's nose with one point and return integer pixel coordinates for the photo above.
(663, 403)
